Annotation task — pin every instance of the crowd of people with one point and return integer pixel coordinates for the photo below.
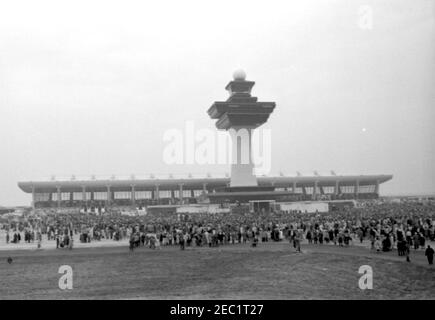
(387, 226)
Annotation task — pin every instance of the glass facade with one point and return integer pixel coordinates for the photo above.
(197, 193)
(41, 197)
(165, 194)
(187, 193)
(367, 189)
(100, 195)
(143, 195)
(79, 196)
(65, 196)
(122, 195)
(298, 190)
(309, 190)
(329, 189)
(347, 189)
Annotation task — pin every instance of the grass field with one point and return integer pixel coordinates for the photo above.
(271, 271)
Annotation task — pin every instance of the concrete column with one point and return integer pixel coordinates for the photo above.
(109, 196)
(337, 188)
(204, 187)
(84, 196)
(356, 189)
(58, 196)
(156, 194)
(172, 196)
(242, 167)
(377, 188)
(133, 195)
(314, 196)
(322, 192)
(181, 193)
(294, 186)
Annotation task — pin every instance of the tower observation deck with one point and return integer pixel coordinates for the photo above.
(240, 114)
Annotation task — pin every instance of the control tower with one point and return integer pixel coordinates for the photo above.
(240, 114)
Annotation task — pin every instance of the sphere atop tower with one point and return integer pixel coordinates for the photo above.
(239, 75)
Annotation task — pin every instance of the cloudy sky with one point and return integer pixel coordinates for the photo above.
(91, 87)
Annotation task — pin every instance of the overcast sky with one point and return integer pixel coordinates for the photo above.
(90, 87)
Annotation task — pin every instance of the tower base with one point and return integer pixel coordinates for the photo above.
(242, 175)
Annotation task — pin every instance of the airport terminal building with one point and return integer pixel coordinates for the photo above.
(172, 190)
(240, 111)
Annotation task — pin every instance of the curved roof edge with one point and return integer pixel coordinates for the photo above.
(26, 186)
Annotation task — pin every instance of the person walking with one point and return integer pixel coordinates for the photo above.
(181, 241)
(71, 243)
(429, 254)
(407, 251)
(378, 244)
(416, 241)
(131, 243)
(297, 241)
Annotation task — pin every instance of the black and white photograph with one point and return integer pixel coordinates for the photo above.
(217, 151)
